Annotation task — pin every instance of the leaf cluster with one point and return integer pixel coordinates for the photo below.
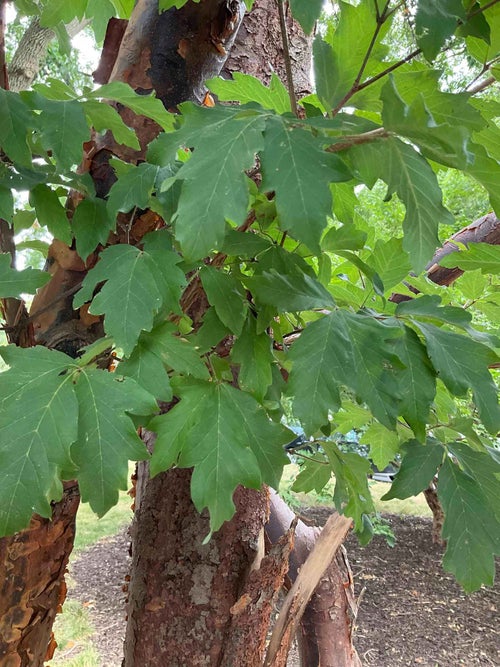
(264, 300)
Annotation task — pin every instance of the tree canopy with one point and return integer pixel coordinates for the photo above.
(239, 280)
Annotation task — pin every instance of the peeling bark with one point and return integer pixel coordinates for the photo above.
(33, 589)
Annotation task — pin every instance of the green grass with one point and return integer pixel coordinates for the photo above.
(73, 631)
(90, 529)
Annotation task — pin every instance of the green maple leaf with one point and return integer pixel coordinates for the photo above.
(289, 293)
(445, 143)
(132, 189)
(63, 129)
(253, 352)
(418, 467)
(462, 364)
(417, 382)
(60, 11)
(132, 294)
(91, 225)
(107, 437)
(390, 262)
(227, 296)
(105, 117)
(471, 529)
(155, 352)
(314, 475)
(484, 469)
(244, 88)
(343, 349)
(226, 436)
(408, 174)
(338, 59)
(486, 170)
(384, 444)
(13, 283)
(50, 212)
(35, 439)
(229, 138)
(297, 168)
(306, 12)
(483, 256)
(6, 204)
(435, 22)
(142, 105)
(17, 117)
(352, 495)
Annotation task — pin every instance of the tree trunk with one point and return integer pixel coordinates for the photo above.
(258, 48)
(183, 593)
(33, 589)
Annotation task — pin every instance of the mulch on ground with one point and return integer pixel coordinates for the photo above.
(411, 612)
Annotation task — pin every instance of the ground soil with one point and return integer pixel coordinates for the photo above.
(411, 612)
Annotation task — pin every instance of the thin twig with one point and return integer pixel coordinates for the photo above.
(482, 9)
(375, 78)
(287, 59)
(358, 139)
(482, 85)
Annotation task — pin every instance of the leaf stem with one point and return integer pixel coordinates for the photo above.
(287, 59)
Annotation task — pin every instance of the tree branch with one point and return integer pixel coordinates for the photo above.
(287, 59)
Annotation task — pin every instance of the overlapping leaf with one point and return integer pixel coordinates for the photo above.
(417, 382)
(408, 174)
(229, 139)
(462, 364)
(227, 437)
(17, 118)
(252, 351)
(297, 168)
(227, 296)
(143, 105)
(471, 529)
(482, 256)
(107, 437)
(352, 495)
(155, 352)
(289, 293)
(418, 467)
(343, 349)
(91, 225)
(38, 417)
(244, 88)
(338, 60)
(14, 283)
(445, 143)
(132, 294)
(435, 22)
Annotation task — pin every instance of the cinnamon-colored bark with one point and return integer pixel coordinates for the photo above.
(32, 589)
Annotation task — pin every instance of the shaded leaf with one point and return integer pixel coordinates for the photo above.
(418, 467)
(107, 437)
(35, 442)
(472, 534)
(13, 283)
(297, 168)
